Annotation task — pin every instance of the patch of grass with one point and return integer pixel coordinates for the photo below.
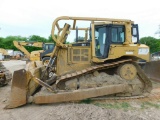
(149, 104)
(87, 101)
(122, 105)
(125, 105)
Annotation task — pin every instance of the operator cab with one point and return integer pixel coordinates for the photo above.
(105, 35)
(48, 46)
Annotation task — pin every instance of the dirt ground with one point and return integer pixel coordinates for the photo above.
(75, 111)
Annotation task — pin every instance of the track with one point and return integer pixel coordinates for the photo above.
(147, 85)
(154, 96)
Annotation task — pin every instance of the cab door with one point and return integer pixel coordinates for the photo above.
(101, 40)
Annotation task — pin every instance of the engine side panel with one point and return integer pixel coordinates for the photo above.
(73, 59)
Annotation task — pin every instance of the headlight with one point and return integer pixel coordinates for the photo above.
(143, 51)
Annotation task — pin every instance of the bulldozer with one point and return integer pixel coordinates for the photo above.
(104, 63)
(5, 75)
(40, 55)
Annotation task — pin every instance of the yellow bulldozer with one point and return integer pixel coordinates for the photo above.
(38, 55)
(104, 63)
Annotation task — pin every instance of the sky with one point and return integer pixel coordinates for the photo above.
(35, 17)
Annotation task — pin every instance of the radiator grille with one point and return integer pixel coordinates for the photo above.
(76, 58)
(84, 51)
(76, 51)
(80, 55)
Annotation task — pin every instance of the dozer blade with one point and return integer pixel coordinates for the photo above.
(18, 89)
(44, 97)
(152, 70)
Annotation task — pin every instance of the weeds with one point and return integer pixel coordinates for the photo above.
(149, 104)
(123, 105)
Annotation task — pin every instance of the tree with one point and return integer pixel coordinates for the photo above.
(152, 42)
(7, 43)
(37, 38)
(1, 42)
(50, 39)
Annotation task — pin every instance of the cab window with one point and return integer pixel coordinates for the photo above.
(117, 34)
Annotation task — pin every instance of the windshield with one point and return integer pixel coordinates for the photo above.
(48, 46)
